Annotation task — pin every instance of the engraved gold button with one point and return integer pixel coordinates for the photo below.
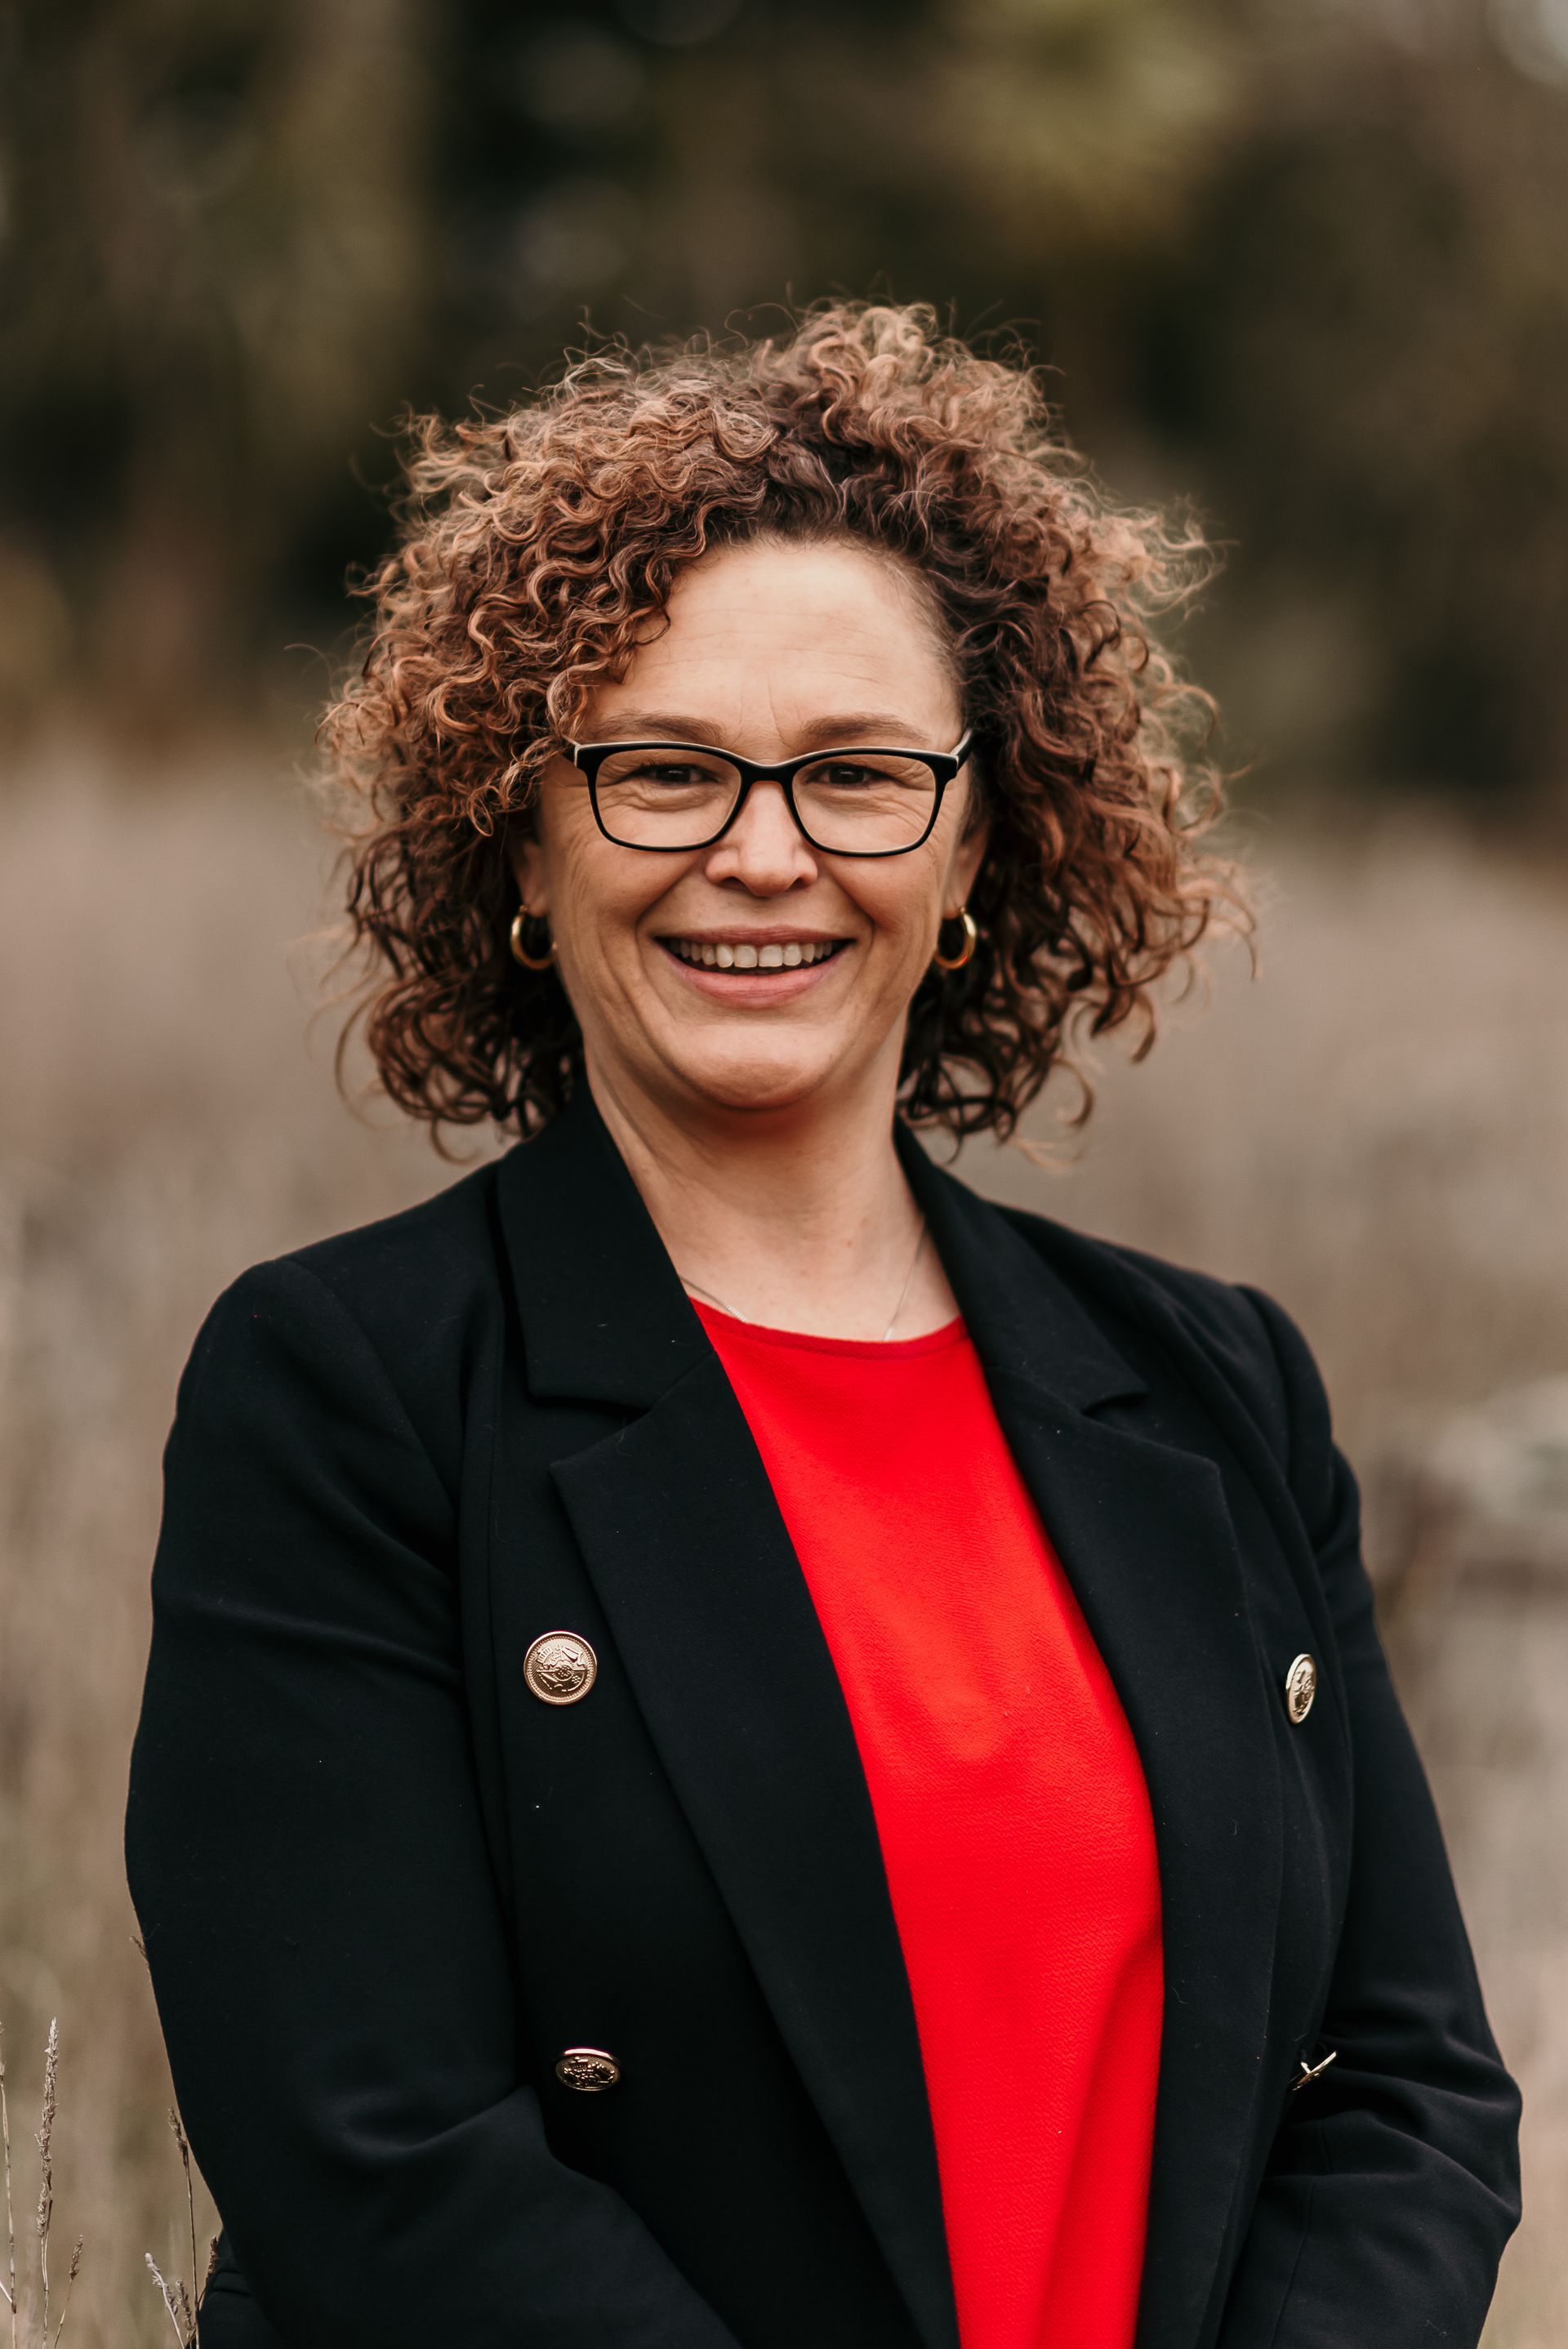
(560, 1667)
(588, 2069)
(1300, 1688)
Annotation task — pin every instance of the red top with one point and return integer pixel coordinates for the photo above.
(1011, 1808)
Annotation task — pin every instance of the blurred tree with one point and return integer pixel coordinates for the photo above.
(1304, 257)
(214, 234)
(1369, 344)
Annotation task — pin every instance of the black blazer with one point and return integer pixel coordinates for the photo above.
(383, 1887)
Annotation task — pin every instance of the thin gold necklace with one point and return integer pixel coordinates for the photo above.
(707, 1294)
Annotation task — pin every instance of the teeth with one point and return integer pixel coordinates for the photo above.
(741, 956)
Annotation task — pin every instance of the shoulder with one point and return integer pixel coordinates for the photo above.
(382, 1320)
(1169, 1315)
(413, 1281)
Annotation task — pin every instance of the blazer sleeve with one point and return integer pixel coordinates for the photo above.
(305, 1855)
(1394, 2182)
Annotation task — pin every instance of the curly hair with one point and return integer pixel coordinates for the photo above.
(537, 546)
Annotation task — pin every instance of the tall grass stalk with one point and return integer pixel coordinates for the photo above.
(27, 2334)
(10, 2286)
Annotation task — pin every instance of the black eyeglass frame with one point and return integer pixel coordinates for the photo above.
(944, 765)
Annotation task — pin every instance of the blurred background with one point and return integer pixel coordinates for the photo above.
(1302, 264)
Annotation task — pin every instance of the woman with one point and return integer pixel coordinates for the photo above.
(741, 1746)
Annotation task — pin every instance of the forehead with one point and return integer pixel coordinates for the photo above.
(768, 634)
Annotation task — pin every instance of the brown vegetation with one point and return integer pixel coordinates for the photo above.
(1376, 1130)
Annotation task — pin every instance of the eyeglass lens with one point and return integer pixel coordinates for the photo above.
(862, 803)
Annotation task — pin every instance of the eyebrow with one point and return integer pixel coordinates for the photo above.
(866, 726)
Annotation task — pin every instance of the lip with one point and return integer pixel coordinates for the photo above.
(764, 933)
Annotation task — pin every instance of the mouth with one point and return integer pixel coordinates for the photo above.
(753, 953)
(754, 970)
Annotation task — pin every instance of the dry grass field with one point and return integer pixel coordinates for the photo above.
(1376, 1130)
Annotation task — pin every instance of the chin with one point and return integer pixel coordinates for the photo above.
(754, 1080)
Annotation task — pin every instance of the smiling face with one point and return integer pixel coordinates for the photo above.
(759, 973)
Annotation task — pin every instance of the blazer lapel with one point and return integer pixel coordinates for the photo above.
(1145, 1538)
(714, 1622)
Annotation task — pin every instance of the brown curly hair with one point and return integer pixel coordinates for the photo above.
(537, 546)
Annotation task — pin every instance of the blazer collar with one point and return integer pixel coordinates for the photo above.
(607, 1319)
(1021, 1316)
(604, 1317)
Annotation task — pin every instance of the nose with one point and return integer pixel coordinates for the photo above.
(764, 849)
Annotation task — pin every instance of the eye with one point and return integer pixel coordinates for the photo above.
(660, 770)
(676, 771)
(848, 774)
(875, 771)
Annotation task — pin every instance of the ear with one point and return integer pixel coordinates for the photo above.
(967, 858)
(526, 857)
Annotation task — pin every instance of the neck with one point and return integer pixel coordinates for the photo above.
(801, 1219)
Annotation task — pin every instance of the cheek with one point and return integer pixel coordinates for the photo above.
(600, 915)
(604, 967)
(905, 909)
(597, 895)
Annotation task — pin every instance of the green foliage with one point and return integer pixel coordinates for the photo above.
(1306, 261)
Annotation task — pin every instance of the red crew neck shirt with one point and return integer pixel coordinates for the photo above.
(1010, 1805)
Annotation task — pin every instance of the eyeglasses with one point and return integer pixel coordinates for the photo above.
(674, 796)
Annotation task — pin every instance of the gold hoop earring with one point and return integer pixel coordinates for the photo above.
(529, 962)
(971, 940)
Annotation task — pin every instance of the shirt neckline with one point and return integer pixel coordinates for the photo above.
(809, 1342)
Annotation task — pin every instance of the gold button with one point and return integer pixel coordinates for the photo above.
(588, 2069)
(560, 1667)
(1300, 1688)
